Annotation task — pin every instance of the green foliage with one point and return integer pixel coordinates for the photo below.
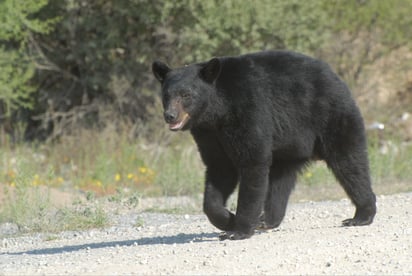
(390, 18)
(18, 21)
(101, 51)
(213, 28)
(76, 61)
(19, 17)
(15, 75)
(364, 32)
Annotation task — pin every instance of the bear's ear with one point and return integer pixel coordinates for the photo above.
(211, 70)
(160, 70)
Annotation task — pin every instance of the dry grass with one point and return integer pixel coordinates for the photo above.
(112, 166)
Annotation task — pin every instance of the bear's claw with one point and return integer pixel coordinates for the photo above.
(356, 222)
(232, 235)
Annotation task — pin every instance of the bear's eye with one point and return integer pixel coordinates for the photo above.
(186, 96)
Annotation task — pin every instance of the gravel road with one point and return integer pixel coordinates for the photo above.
(309, 241)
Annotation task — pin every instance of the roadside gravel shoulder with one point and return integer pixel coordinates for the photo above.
(309, 241)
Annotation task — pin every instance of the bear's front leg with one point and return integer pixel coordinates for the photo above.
(252, 191)
(220, 183)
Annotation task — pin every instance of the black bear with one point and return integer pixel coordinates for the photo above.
(258, 119)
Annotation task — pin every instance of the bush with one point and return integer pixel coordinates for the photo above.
(76, 63)
(95, 64)
(18, 23)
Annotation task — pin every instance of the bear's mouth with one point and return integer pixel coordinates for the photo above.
(181, 123)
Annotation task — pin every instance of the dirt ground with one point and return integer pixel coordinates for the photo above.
(309, 241)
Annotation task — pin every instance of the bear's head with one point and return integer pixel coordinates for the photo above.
(186, 92)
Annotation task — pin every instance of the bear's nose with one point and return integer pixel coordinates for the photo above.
(170, 116)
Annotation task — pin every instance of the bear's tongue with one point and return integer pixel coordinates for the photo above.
(176, 126)
(180, 124)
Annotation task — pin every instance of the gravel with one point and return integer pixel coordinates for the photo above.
(309, 241)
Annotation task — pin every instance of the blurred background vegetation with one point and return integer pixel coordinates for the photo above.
(79, 107)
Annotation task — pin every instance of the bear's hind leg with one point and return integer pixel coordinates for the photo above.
(282, 180)
(352, 172)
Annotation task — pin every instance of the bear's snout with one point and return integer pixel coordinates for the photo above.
(176, 119)
(170, 116)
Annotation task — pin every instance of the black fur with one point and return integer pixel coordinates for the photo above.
(258, 119)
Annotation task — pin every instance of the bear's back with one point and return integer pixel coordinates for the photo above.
(279, 73)
(280, 62)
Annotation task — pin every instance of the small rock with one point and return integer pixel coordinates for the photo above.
(143, 262)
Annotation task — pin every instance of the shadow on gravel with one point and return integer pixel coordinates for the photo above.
(176, 239)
